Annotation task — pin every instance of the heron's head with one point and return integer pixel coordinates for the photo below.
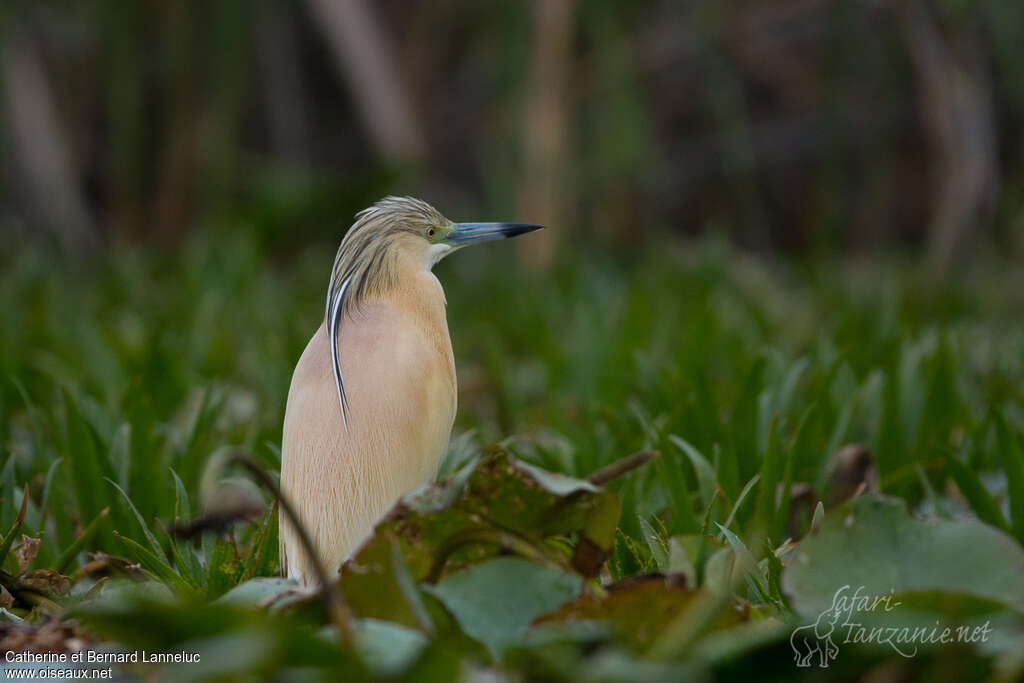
(388, 239)
(399, 230)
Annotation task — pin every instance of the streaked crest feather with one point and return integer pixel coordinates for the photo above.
(362, 267)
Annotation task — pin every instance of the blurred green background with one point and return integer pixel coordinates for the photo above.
(777, 229)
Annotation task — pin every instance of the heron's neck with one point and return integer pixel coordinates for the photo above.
(412, 288)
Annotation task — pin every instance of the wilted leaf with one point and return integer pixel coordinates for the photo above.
(26, 552)
(635, 613)
(498, 502)
(47, 582)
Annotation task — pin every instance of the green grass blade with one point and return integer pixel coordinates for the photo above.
(157, 548)
(745, 419)
(799, 454)
(890, 449)
(185, 555)
(44, 500)
(7, 489)
(744, 494)
(655, 544)
(764, 510)
(817, 518)
(749, 566)
(784, 397)
(684, 519)
(1012, 462)
(182, 504)
(154, 565)
(69, 554)
(939, 506)
(702, 468)
(184, 564)
(782, 510)
(5, 545)
(981, 502)
(258, 562)
(88, 465)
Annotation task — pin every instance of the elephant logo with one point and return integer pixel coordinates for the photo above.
(816, 638)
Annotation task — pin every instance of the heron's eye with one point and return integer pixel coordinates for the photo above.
(431, 232)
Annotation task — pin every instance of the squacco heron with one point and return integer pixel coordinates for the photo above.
(372, 400)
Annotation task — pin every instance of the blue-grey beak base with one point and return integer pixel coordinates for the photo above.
(471, 233)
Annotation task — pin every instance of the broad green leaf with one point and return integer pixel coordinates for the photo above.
(875, 544)
(387, 648)
(499, 617)
(377, 584)
(256, 593)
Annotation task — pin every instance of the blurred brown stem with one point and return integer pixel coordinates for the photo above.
(956, 107)
(363, 55)
(40, 147)
(544, 127)
(285, 98)
(621, 466)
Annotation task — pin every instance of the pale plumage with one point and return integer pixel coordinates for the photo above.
(370, 422)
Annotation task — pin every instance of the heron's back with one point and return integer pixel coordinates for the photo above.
(400, 383)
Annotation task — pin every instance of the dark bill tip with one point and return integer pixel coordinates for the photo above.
(470, 233)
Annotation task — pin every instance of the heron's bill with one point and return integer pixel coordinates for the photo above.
(471, 233)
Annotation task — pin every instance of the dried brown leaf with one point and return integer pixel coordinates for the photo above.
(47, 582)
(26, 552)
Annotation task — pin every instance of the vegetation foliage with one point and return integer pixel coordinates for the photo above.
(807, 427)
